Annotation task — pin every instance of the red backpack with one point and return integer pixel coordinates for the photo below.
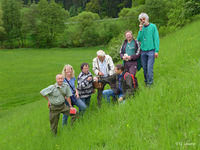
(126, 74)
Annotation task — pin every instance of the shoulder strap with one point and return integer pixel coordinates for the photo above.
(70, 85)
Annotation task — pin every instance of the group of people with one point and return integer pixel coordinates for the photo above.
(64, 95)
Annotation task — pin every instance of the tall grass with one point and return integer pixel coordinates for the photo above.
(163, 117)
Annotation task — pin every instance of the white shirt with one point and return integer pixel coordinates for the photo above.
(103, 67)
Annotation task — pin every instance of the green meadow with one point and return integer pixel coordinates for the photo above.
(25, 71)
(164, 117)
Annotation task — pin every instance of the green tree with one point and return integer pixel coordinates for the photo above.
(12, 21)
(192, 7)
(157, 11)
(176, 14)
(136, 3)
(2, 30)
(49, 23)
(93, 6)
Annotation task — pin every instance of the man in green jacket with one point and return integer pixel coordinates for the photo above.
(149, 38)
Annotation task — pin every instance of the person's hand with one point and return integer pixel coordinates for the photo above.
(95, 79)
(120, 99)
(77, 95)
(141, 26)
(124, 57)
(128, 57)
(49, 104)
(156, 55)
(100, 74)
(89, 78)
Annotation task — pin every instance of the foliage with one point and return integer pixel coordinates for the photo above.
(46, 24)
(157, 11)
(192, 7)
(129, 16)
(2, 30)
(11, 21)
(87, 30)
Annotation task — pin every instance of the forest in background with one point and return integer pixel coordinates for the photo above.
(76, 23)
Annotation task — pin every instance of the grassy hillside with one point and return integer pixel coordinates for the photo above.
(164, 117)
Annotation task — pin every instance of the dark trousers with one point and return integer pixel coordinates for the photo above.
(54, 115)
(100, 94)
(131, 67)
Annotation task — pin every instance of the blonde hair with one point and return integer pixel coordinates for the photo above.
(64, 70)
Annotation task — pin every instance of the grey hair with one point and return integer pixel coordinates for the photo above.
(143, 15)
(101, 53)
(59, 75)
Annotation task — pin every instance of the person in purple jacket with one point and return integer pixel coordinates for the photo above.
(130, 53)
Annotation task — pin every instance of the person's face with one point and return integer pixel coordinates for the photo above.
(117, 71)
(59, 79)
(143, 21)
(85, 69)
(68, 71)
(129, 36)
(101, 58)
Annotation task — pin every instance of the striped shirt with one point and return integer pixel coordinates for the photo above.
(85, 87)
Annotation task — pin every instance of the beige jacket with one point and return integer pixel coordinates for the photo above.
(109, 63)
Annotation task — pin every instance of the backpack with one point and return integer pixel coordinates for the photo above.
(133, 77)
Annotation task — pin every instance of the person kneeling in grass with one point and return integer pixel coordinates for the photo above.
(56, 95)
(124, 84)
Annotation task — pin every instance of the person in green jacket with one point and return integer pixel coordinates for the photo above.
(149, 38)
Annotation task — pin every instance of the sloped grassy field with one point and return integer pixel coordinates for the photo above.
(164, 117)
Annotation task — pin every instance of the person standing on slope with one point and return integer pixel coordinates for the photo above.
(149, 38)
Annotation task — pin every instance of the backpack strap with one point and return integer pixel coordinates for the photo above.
(134, 84)
(70, 85)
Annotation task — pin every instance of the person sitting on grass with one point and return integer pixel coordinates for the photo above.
(85, 86)
(56, 95)
(124, 84)
(68, 73)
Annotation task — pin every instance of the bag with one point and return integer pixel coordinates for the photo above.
(73, 111)
(133, 77)
(97, 85)
(73, 99)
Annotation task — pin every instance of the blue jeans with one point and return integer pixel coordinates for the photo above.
(86, 100)
(147, 60)
(108, 93)
(82, 107)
